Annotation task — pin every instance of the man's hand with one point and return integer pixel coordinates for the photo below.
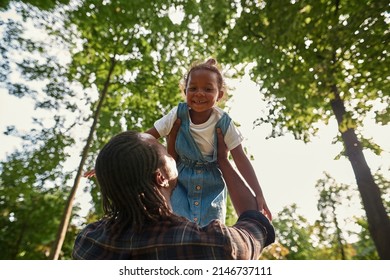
(222, 150)
(172, 139)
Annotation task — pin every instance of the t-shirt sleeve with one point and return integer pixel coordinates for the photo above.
(165, 124)
(233, 136)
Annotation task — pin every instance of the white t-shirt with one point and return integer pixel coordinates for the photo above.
(203, 134)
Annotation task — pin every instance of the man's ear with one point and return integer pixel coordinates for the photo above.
(160, 179)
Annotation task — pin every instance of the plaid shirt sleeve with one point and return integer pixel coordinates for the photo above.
(249, 236)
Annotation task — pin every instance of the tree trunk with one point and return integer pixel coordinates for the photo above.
(377, 218)
(340, 244)
(63, 227)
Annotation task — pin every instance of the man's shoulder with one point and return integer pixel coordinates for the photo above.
(94, 226)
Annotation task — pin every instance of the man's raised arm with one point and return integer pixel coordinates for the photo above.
(240, 194)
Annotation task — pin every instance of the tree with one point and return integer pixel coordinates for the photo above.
(331, 196)
(315, 61)
(41, 4)
(33, 178)
(295, 234)
(364, 247)
(31, 194)
(325, 239)
(123, 59)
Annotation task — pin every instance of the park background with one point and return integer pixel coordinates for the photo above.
(282, 60)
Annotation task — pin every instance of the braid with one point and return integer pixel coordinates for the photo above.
(124, 169)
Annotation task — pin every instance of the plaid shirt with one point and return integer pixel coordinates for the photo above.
(178, 240)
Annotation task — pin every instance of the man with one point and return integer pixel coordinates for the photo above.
(137, 177)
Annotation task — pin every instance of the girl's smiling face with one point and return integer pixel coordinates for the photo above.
(202, 90)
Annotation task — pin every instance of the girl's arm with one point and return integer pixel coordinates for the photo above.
(171, 137)
(248, 173)
(153, 131)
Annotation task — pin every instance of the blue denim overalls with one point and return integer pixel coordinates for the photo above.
(200, 195)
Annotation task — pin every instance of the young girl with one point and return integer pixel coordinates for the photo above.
(201, 193)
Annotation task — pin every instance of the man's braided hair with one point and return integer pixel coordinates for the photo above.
(125, 169)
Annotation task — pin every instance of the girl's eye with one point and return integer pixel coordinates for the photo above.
(191, 89)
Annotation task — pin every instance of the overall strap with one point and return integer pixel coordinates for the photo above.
(185, 145)
(182, 111)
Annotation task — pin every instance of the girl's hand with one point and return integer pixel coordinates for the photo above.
(263, 207)
(89, 173)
